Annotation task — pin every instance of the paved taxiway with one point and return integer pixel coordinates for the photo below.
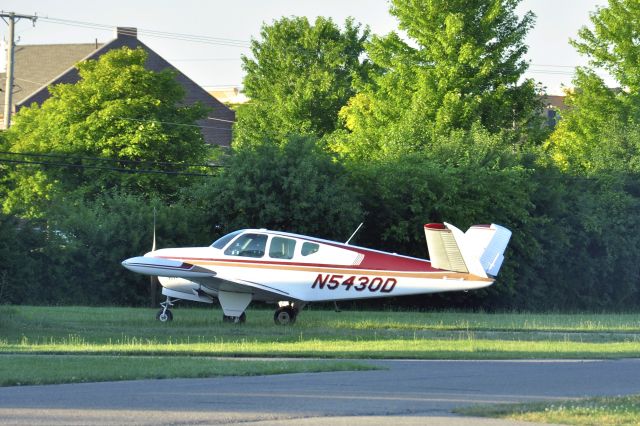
(414, 392)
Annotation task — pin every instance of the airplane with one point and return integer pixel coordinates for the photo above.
(293, 270)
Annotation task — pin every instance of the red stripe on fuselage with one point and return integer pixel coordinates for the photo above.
(372, 261)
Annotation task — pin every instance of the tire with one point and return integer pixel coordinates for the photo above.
(236, 320)
(285, 316)
(164, 315)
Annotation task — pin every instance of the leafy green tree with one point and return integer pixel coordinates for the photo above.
(78, 252)
(298, 77)
(295, 188)
(117, 111)
(597, 146)
(21, 260)
(463, 64)
(487, 184)
(599, 130)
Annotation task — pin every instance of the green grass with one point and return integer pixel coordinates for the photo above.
(122, 337)
(318, 334)
(45, 369)
(614, 411)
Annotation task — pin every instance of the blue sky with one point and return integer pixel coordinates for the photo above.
(212, 64)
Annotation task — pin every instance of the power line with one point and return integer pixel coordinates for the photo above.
(114, 169)
(178, 124)
(112, 160)
(153, 33)
(203, 59)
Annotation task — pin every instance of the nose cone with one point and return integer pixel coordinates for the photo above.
(128, 263)
(137, 264)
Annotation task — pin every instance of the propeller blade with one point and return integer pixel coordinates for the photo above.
(153, 247)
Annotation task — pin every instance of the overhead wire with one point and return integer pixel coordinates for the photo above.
(179, 124)
(42, 159)
(152, 33)
(115, 169)
(113, 160)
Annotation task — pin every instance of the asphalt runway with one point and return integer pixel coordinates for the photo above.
(406, 392)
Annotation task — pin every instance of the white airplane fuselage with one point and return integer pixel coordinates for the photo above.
(257, 264)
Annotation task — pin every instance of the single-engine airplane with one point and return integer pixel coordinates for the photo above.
(293, 270)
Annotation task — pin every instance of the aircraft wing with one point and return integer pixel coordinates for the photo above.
(258, 290)
(161, 267)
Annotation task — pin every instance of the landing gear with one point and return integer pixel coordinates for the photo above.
(287, 312)
(285, 315)
(164, 314)
(236, 320)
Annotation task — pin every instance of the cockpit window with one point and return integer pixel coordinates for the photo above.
(223, 241)
(282, 248)
(309, 248)
(248, 245)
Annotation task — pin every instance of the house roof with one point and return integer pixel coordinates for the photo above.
(39, 66)
(36, 65)
(554, 101)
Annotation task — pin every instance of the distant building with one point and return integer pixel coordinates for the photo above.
(37, 67)
(229, 95)
(553, 106)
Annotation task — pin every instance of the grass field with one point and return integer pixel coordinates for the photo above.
(40, 345)
(318, 334)
(112, 337)
(616, 411)
(18, 370)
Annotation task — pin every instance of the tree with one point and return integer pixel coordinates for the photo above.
(298, 78)
(462, 65)
(597, 131)
(118, 116)
(295, 187)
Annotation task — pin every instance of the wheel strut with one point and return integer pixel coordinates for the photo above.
(165, 314)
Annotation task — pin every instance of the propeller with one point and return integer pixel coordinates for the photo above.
(153, 284)
(153, 246)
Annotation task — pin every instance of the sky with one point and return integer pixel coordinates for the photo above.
(199, 52)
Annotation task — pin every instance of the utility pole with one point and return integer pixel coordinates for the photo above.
(10, 18)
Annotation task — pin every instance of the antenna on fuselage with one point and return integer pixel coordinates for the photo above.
(355, 232)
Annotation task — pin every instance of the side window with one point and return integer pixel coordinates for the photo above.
(248, 245)
(282, 248)
(309, 248)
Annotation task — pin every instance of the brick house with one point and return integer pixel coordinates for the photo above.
(37, 67)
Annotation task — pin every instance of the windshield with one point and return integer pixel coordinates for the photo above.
(248, 245)
(223, 241)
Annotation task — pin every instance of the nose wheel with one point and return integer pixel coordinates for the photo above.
(164, 314)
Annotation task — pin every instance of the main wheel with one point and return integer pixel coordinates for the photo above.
(164, 315)
(285, 315)
(237, 320)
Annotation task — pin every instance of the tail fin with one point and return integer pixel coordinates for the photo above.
(479, 251)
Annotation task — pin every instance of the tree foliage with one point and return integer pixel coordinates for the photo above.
(117, 111)
(599, 131)
(437, 124)
(295, 187)
(298, 77)
(462, 65)
(74, 257)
